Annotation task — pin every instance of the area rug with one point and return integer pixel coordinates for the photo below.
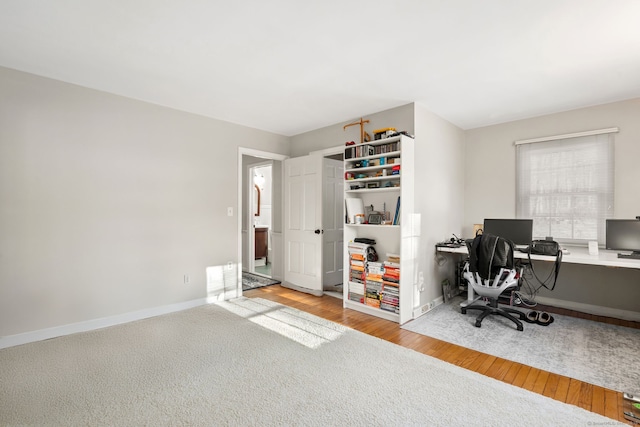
(594, 352)
(252, 281)
(251, 362)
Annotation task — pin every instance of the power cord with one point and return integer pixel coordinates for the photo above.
(527, 293)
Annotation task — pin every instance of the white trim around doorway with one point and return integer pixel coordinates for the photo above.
(243, 151)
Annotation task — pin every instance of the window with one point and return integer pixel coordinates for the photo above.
(565, 184)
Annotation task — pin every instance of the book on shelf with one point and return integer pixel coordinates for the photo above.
(358, 248)
(372, 302)
(357, 288)
(395, 258)
(389, 307)
(356, 297)
(396, 217)
(391, 300)
(390, 264)
(391, 286)
(393, 280)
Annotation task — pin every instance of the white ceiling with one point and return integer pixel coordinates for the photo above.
(290, 66)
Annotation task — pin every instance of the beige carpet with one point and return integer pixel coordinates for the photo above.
(253, 362)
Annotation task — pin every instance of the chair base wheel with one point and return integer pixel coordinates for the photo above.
(520, 328)
(463, 310)
(478, 323)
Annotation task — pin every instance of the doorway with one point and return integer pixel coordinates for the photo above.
(260, 208)
(260, 184)
(333, 223)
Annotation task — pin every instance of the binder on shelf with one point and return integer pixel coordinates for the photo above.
(396, 217)
(354, 207)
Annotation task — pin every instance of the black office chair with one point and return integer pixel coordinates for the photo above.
(491, 271)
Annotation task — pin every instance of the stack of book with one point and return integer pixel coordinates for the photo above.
(390, 297)
(373, 284)
(357, 270)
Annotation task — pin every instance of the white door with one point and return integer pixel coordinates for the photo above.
(332, 221)
(303, 223)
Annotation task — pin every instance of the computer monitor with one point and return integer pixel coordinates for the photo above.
(519, 231)
(623, 235)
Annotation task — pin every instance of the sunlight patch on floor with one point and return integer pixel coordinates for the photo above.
(301, 327)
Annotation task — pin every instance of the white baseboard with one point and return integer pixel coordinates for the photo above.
(419, 311)
(591, 309)
(301, 289)
(90, 325)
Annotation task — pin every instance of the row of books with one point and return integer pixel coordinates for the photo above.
(375, 284)
(390, 296)
(365, 150)
(357, 270)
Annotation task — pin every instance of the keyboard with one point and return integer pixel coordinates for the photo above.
(448, 245)
(632, 255)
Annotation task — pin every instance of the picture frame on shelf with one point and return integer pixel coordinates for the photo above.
(375, 218)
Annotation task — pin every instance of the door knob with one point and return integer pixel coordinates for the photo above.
(317, 231)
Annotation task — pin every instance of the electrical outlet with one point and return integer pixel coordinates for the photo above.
(229, 265)
(428, 306)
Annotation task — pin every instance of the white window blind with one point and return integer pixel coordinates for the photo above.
(566, 186)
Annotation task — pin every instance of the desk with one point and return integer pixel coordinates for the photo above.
(575, 255)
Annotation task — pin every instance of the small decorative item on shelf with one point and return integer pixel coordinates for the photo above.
(375, 218)
(383, 133)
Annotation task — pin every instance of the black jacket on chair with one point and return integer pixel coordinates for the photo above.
(489, 253)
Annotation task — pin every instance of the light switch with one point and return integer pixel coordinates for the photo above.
(230, 211)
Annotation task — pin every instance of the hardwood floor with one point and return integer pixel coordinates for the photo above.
(569, 390)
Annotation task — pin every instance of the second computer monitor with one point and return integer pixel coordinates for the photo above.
(519, 231)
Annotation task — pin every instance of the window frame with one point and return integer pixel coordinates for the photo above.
(605, 208)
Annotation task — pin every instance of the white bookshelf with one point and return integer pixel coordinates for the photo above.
(378, 187)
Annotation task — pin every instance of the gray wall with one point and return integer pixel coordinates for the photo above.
(400, 118)
(490, 170)
(107, 202)
(489, 175)
(439, 185)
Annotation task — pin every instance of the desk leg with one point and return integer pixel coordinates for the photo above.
(471, 297)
